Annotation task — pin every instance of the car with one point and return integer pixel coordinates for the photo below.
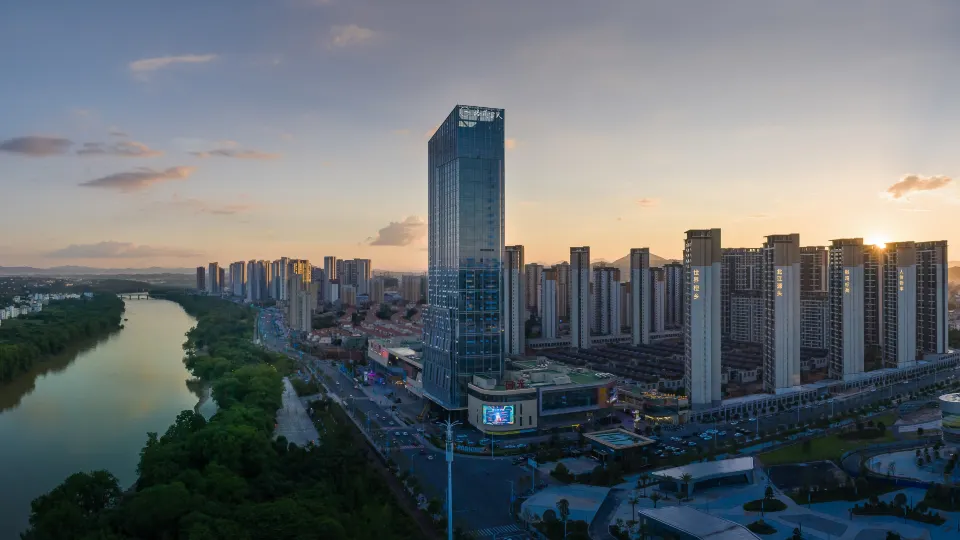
(675, 439)
(738, 434)
(721, 434)
(707, 438)
(430, 457)
(752, 420)
(519, 461)
(735, 422)
(405, 433)
(691, 443)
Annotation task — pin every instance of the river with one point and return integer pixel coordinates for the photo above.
(91, 408)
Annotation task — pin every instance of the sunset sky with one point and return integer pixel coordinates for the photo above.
(136, 134)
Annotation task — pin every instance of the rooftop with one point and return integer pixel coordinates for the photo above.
(709, 468)
(698, 524)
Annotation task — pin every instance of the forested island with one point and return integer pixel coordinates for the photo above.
(228, 478)
(31, 338)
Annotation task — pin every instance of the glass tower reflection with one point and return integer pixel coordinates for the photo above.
(462, 328)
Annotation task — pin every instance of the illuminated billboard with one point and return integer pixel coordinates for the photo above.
(499, 415)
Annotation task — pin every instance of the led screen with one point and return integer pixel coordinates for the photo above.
(500, 415)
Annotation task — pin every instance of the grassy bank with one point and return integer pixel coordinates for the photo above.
(830, 447)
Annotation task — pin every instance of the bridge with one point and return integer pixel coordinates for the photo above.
(135, 296)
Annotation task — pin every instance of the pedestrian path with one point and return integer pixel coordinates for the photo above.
(502, 532)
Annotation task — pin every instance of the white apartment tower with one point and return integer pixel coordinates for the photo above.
(580, 297)
(701, 315)
(513, 300)
(781, 293)
(640, 289)
(846, 300)
(899, 301)
(550, 320)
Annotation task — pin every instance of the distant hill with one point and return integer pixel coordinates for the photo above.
(66, 271)
(953, 275)
(623, 263)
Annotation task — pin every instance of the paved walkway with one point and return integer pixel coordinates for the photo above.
(293, 422)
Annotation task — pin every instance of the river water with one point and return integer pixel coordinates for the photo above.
(91, 408)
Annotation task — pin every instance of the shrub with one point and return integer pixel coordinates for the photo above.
(765, 505)
(761, 527)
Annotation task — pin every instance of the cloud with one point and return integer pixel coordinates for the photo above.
(128, 182)
(118, 250)
(401, 233)
(758, 216)
(912, 183)
(146, 65)
(122, 149)
(117, 132)
(235, 153)
(203, 207)
(510, 144)
(350, 35)
(648, 202)
(36, 146)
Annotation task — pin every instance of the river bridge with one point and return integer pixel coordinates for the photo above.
(135, 296)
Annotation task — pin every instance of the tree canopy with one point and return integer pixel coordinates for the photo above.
(228, 478)
(31, 338)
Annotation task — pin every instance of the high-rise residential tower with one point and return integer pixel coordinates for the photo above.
(364, 275)
(563, 289)
(213, 275)
(673, 311)
(514, 300)
(658, 300)
(201, 281)
(781, 293)
(550, 321)
(640, 289)
(221, 278)
(580, 297)
(846, 292)
(899, 304)
(606, 301)
(462, 326)
(533, 273)
(701, 315)
(932, 295)
(813, 269)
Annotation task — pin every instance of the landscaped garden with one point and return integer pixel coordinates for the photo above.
(899, 508)
(833, 446)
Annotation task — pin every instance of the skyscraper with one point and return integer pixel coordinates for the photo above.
(220, 279)
(899, 311)
(364, 275)
(201, 281)
(640, 289)
(673, 312)
(658, 300)
(462, 325)
(846, 308)
(532, 275)
(376, 290)
(740, 275)
(514, 301)
(781, 293)
(238, 278)
(213, 274)
(701, 316)
(563, 289)
(606, 301)
(813, 269)
(330, 267)
(550, 321)
(411, 287)
(932, 294)
(580, 297)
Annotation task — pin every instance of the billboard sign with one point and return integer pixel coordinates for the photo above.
(498, 415)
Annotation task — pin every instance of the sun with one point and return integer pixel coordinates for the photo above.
(878, 240)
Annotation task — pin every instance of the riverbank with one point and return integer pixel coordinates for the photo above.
(34, 338)
(91, 407)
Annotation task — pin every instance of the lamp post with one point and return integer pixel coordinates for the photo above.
(449, 448)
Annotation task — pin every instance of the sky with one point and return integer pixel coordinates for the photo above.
(136, 134)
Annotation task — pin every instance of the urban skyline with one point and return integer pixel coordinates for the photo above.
(793, 140)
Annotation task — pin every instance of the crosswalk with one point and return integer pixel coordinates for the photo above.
(498, 532)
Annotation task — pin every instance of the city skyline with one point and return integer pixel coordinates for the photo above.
(165, 147)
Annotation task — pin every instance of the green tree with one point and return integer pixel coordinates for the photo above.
(685, 479)
(655, 498)
(74, 508)
(563, 509)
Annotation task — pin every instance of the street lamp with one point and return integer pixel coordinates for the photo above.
(449, 447)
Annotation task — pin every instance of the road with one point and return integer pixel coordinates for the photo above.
(482, 485)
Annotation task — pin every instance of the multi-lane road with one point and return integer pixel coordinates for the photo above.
(483, 486)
